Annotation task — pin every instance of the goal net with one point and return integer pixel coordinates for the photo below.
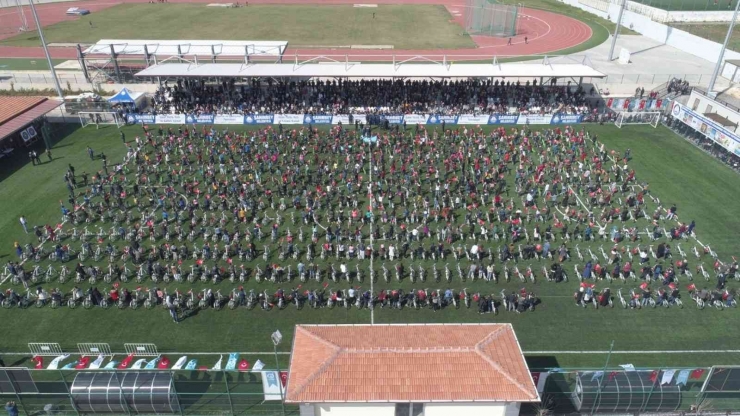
(99, 118)
(649, 117)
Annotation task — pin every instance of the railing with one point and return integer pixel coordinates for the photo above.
(703, 92)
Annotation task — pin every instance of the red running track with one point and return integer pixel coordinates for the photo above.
(546, 32)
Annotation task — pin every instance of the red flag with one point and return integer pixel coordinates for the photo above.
(659, 104)
(654, 376)
(535, 377)
(243, 365)
(626, 104)
(284, 378)
(612, 375)
(697, 373)
(642, 104)
(609, 103)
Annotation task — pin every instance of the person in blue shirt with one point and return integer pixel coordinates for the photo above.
(11, 408)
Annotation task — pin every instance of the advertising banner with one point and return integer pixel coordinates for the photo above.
(270, 386)
(566, 119)
(394, 119)
(228, 119)
(437, 119)
(199, 119)
(169, 119)
(707, 127)
(472, 119)
(502, 119)
(259, 119)
(288, 119)
(140, 118)
(318, 119)
(534, 119)
(414, 119)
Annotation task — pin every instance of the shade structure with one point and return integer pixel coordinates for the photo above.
(624, 391)
(124, 392)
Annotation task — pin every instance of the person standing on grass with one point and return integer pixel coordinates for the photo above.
(123, 137)
(90, 153)
(33, 160)
(24, 223)
(171, 308)
(48, 154)
(11, 408)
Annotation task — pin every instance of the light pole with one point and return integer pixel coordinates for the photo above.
(46, 51)
(616, 30)
(722, 53)
(276, 338)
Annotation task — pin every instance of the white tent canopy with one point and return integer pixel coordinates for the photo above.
(167, 48)
(357, 70)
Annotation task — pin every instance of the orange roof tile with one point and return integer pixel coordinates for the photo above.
(408, 363)
(13, 106)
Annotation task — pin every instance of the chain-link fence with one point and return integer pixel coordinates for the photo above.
(485, 17)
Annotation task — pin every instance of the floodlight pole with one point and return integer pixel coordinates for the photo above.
(722, 53)
(276, 338)
(616, 30)
(46, 51)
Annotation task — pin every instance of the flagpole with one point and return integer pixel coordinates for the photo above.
(603, 372)
(46, 51)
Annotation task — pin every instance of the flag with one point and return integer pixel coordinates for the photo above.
(258, 365)
(697, 373)
(654, 375)
(597, 375)
(667, 377)
(627, 367)
(683, 377)
(612, 375)
(609, 102)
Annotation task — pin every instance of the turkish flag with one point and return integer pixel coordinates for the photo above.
(642, 104)
(284, 377)
(39, 362)
(126, 362)
(626, 104)
(654, 376)
(609, 102)
(697, 373)
(243, 365)
(535, 377)
(164, 363)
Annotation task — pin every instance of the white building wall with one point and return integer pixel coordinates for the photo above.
(351, 409)
(717, 108)
(430, 409)
(466, 409)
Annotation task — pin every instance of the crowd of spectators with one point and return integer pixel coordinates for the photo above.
(369, 97)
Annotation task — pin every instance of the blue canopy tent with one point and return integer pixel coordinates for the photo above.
(125, 96)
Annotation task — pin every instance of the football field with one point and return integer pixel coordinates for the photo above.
(703, 189)
(399, 26)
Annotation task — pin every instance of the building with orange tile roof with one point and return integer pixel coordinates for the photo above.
(425, 369)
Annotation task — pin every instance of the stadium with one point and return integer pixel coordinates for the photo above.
(405, 207)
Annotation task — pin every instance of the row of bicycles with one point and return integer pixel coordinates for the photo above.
(150, 298)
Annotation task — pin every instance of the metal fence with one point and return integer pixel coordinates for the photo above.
(484, 17)
(198, 392)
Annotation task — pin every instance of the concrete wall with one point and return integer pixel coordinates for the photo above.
(659, 32)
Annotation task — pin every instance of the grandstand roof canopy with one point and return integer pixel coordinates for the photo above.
(17, 112)
(387, 70)
(167, 48)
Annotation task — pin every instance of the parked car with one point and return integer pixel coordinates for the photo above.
(76, 11)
